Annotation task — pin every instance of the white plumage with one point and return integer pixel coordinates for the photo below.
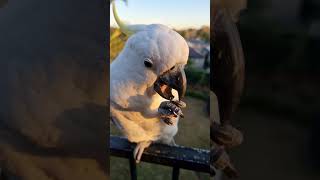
(132, 83)
(134, 102)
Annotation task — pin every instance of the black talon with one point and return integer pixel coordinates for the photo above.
(171, 109)
(168, 121)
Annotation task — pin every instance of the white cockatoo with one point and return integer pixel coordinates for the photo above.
(145, 79)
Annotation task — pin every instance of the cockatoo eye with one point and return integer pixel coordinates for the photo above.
(148, 63)
(172, 67)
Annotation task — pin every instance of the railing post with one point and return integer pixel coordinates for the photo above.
(1, 174)
(175, 173)
(133, 168)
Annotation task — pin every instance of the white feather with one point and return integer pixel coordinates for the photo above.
(134, 103)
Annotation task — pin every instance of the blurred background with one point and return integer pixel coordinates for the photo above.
(279, 111)
(192, 20)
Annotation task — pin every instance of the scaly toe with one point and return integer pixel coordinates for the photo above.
(139, 149)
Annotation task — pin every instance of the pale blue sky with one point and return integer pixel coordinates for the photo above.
(177, 14)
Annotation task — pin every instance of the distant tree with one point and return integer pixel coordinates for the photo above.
(203, 33)
(117, 42)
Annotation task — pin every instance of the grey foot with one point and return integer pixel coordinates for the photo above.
(170, 110)
(138, 151)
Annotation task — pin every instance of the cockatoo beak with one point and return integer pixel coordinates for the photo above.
(173, 79)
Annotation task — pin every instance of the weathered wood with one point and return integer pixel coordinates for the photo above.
(174, 156)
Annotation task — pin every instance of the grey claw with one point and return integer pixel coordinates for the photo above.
(168, 121)
(171, 109)
(180, 104)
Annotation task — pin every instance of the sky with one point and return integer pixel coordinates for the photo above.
(178, 14)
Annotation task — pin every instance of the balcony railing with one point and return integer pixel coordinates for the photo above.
(177, 157)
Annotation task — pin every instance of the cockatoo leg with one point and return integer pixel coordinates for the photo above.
(226, 135)
(173, 143)
(138, 151)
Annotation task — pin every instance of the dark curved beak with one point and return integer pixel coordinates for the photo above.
(172, 79)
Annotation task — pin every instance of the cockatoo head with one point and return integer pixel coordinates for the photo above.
(158, 54)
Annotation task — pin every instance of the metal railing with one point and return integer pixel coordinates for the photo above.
(177, 157)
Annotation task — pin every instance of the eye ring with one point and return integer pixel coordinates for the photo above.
(148, 63)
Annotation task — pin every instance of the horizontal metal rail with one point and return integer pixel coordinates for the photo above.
(175, 156)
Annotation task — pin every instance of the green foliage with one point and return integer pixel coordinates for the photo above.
(197, 77)
(203, 33)
(198, 83)
(117, 42)
(197, 94)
